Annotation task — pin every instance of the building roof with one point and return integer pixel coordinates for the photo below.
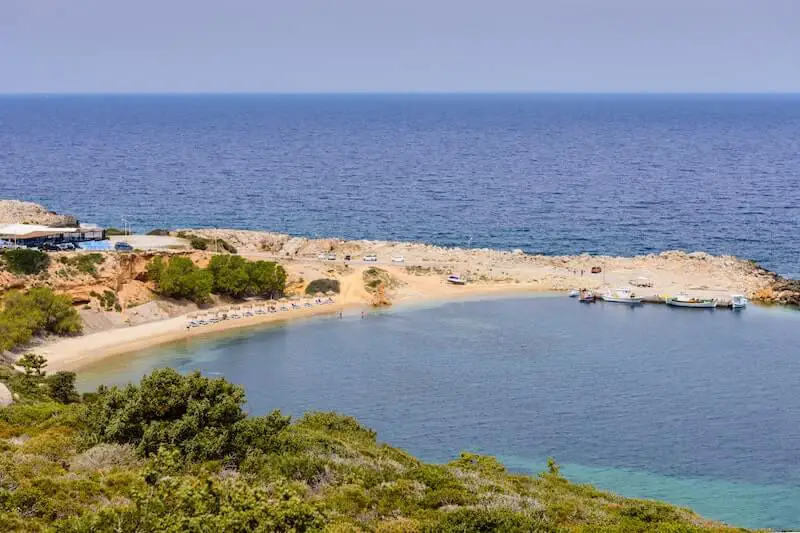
(20, 231)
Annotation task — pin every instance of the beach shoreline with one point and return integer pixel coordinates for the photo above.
(73, 353)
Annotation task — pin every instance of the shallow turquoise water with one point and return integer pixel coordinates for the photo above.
(698, 408)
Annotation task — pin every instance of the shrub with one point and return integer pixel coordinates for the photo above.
(87, 263)
(26, 261)
(112, 232)
(38, 311)
(191, 413)
(323, 285)
(159, 232)
(61, 387)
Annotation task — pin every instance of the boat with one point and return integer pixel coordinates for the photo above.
(621, 296)
(455, 279)
(738, 301)
(683, 300)
(574, 293)
(586, 297)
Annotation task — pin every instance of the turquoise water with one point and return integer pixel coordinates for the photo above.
(698, 408)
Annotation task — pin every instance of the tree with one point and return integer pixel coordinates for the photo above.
(230, 275)
(61, 387)
(33, 364)
(181, 278)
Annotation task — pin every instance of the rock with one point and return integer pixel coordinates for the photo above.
(5, 396)
(19, 212)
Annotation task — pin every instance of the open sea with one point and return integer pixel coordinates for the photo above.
(696, 408)
(551, 174)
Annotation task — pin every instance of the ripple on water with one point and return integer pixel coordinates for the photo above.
(696, 408)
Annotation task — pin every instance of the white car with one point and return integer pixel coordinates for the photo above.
(398, 259)
(331, 257)
(322, 257)
(371, 258)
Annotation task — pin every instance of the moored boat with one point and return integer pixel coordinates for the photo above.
(621, 296)
(586, 297)
(574, 293)
(738, 301)
(456, 279)
(692, 302)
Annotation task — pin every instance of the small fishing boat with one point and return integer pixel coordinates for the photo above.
(621, 296)
(455, 279)
(586, 297)
(574, 293)
(683, 300)
(738, 301)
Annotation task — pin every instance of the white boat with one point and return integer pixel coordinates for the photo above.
(683, 300)
(455, 279)
(574, 293)
(738, 301)
(621, 296)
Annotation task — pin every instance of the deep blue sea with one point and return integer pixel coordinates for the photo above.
(699, 408)
(550, 174)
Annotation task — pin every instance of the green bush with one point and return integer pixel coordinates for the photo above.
(204, 243)
(323, 285)
(38, 311)
(61, 387)
(87, 263)
(180, 278)
(159, 232)
(237, 277)
(26, 261)
(114, 232)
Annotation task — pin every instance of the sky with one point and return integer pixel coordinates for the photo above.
(102, 46)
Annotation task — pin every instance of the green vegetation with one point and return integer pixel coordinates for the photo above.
(38, 311)
(86, 263)
(323, 285)
(25, 261)
(159, 232)
(180, 278)
(114, 232)
(230, 275)
(377, 277)
(177, 453)
(202, 243)
(108, 300)
(237, 277)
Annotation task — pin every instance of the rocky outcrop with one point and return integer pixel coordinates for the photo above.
(19, 212)
(780, 292)
(5, 396)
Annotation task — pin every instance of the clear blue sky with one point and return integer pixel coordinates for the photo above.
(399, 45)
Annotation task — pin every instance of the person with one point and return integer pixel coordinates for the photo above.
(340, 315)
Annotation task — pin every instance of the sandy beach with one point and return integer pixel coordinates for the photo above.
(421, 276)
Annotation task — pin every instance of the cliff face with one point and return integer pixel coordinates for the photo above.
(19, 212)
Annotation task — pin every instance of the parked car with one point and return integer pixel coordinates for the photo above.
(322, 257)
(331, 257)
(49, 247)
(398, 259)
(348, 257)
(66, 246)
(123, 247)
(370, 258)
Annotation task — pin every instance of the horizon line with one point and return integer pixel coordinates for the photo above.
(400, 93)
